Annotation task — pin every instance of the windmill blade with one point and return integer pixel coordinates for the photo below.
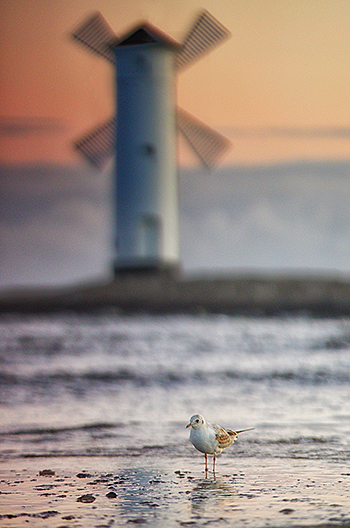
(206, 33)
(98, 145)
(208, 144)
(96, 34)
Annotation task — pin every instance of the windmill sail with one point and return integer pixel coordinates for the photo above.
(96, 34)
(208, 144)
(206, 33)
(97, 146)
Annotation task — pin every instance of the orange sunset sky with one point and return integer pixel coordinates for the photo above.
(279, 88)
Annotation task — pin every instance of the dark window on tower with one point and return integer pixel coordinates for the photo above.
(149, 150)
(142, 64)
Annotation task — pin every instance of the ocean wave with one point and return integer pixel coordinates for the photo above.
(111, 439)
(58, 430)
(128, 375)
(305, 449)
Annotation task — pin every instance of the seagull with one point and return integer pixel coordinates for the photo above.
(210, 439)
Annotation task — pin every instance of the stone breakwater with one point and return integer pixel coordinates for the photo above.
(167, 293)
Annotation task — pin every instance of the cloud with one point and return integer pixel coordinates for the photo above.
(335, 132)
(24, 126)
(281, 217)
(55, 224)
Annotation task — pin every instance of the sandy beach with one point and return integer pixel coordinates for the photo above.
(155, 491)
(94, 407)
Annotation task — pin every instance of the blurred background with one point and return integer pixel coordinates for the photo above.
(278, 89)
(76, 383)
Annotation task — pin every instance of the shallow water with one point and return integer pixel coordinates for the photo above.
(73, 385)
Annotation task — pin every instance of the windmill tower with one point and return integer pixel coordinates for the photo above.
(143, 134)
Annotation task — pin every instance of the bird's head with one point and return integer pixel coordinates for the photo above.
(196, 421)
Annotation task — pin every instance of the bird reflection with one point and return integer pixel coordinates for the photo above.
(210, 493)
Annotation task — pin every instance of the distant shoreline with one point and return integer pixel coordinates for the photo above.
(162, 293)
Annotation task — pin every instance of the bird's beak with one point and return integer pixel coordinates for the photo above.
(188, 425)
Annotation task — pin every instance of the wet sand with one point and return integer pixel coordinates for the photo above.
(151, 490)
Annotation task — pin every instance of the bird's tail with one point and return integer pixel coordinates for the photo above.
(244, 430)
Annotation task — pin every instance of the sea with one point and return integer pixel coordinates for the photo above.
(109, 385)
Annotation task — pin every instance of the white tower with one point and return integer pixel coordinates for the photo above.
(147, 194)
(144, 134)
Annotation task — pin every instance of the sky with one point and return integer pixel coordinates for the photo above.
(278, 89)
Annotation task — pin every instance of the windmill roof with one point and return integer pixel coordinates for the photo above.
(146, 33)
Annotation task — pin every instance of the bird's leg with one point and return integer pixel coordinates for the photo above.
(206, 463)
(214, 460)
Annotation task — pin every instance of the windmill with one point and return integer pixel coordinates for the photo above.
(143, 134)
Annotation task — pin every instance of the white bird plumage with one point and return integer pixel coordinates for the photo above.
(210, 439)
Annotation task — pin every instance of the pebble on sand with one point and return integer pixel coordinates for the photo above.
(111, 495)
(86, 498)
(46, 473)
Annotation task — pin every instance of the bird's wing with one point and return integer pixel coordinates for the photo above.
(224, 437)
